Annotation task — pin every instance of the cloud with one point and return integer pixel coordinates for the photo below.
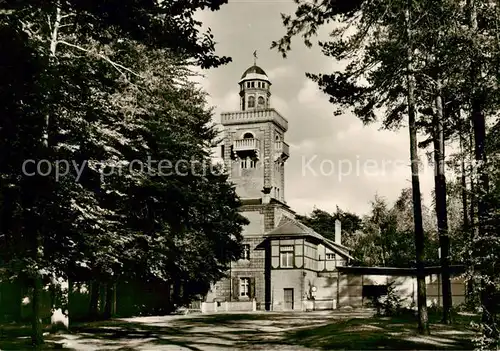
(280, 105)
(280, 72)
(309, 93)
(227, 103)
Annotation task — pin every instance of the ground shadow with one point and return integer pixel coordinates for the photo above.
(395, 333)
(268, 331)
(14, 336)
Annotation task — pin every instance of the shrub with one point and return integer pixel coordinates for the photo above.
(390, 304)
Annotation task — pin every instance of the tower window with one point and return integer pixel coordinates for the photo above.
(253, 84)
(264, 85)
(261, 100)
(251, 101)
(248, 135)
(277, 137)
(248, 84)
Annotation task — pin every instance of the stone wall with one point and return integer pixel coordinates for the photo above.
(226, 306)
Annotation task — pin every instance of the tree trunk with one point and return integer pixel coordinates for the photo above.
(463, 184)
(479, 127)
(472, 190)
(36, 319)
(466, 224)
(423, 321)
(94, 300)
(110, 305)
(488, 289)
(383, 248)
(472, 223)
(36, 323)
(441, 211)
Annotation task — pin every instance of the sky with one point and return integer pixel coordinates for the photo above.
(334, 160)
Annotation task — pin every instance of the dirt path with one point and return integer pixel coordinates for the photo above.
(329, 330)
(256, 331)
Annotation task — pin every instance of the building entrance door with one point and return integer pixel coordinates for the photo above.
(288, 299)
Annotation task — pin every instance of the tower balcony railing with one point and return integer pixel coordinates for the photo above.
(250, 144)
(282, 149)
(254, 116)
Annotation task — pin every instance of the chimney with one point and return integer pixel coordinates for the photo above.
(266, 198)
(338, 232)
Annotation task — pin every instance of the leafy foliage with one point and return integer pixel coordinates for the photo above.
(102, 91)
(382, 238)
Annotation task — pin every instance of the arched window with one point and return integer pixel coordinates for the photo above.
(261, 100)
(248, 135)
(251, 101)
(277, 137)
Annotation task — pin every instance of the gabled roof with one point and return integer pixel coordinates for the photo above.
(289, 227)
(284, 220)
(339, 245)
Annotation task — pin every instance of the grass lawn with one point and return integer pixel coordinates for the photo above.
(325, 330)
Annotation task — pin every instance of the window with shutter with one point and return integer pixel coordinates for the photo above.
(236, 289)
(252, 288)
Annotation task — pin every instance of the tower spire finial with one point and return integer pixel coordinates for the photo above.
(255, 58)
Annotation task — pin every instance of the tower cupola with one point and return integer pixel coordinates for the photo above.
(255, 90)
